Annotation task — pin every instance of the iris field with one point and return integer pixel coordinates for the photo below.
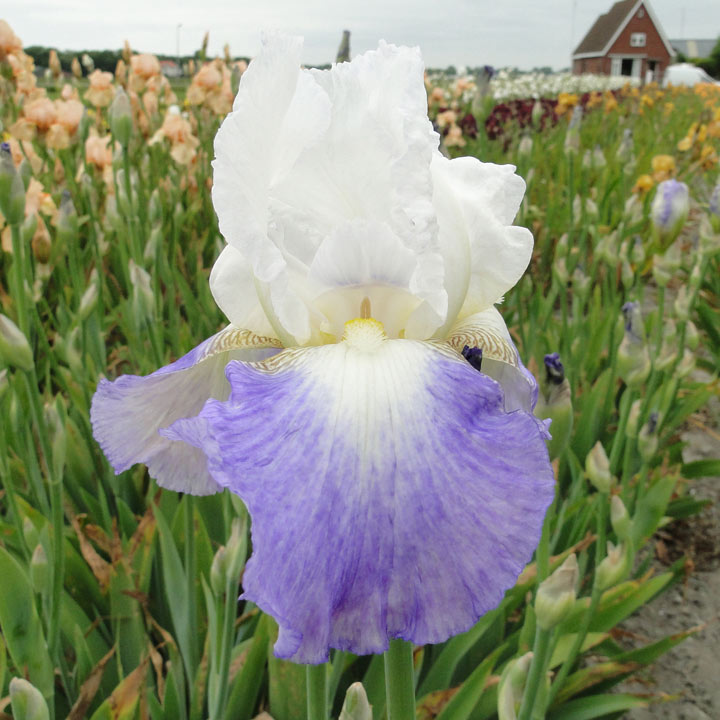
(119, 598)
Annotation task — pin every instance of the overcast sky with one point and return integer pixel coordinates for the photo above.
(522, 33)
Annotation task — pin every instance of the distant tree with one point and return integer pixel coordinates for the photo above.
(103, 59)
(451, 70)
(41, 55)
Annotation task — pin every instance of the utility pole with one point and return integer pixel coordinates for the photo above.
(177, 43)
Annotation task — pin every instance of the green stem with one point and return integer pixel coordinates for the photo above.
(400, 681)
(560, 678)
(19, 279)
(541, 649)
(228, 614)
(317, 700)
(191, 575)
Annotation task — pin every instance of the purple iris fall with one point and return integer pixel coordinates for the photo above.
(366, 401)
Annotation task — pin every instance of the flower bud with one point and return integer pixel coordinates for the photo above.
(614, 567)
(686, 364)
(637, 254)
(30, 533)
(647, 438)
(669, 211)
(4, 383)
(633, 359)
(39, 570)
(88, 302)
(12, 194)
(696, 277)
(560, 271)
(666, 265)
(143, 299)
(619, 518)
(237, 548)
(14, 347)
(54, 64)
(598, 158)
(555, 403)
(631, 427)
(633, 210)
(156, 208)
(536, 114)
(682, 304)
(55, 418)
(29, 226)
(67, 223)
(626, 274)
(625, 149)
(120, 117)
(512, 686)
(692, 336)
(218, 571)
(356, 705)
(525, 146)
(606, 249)
(7, 172)
(556, 594)
(714, 208)
(27, 701)
(26, 172)
(597, 468)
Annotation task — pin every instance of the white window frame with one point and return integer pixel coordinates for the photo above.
(616, 66)
(638, 39)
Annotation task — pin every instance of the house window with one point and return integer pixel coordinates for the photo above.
(615, 66)
(637, 40)
(641, 13)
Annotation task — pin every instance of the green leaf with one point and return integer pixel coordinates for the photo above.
(564, 644)
(650, 653)
(611, 613)
(374, 684)
(441, 672)
(21, 626)
(463, 702)
(685, 507)
(597, 706)
(245, 688)
(174, 584)
(588, 676)
(651, 508)
(701, 468)
(287, 689)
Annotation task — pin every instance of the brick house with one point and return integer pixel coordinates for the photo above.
(626, 40)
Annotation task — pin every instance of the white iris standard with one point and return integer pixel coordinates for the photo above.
(394, 490)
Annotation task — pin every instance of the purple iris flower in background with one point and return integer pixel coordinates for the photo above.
(366, 402)
(669, 210)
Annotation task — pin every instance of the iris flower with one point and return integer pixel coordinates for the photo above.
(366, 401)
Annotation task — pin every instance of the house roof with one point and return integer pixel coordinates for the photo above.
(604, 28)
(694, 48)
(608, 27)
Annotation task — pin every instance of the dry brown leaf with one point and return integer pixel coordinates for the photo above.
(100, 568)
(89, 688)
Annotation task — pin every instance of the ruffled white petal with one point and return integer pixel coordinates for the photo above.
(307, 156)
(233, 286)
(476, 202)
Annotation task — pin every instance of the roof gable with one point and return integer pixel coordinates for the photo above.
(601, 33)
(608, 27)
